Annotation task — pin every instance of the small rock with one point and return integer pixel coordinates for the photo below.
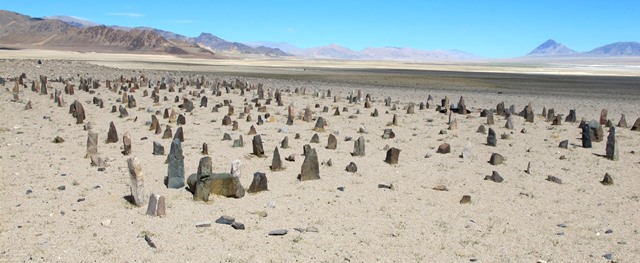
(105, 222)
(352, 168)
(609, 231)
(62, 188)
(466, 199)
(341, 188)
(203, 224)
(608, 256)
(226, 220)
(554, 179)
(279, 232)
(607, 180)
(440, 187)
(58, 139)
(237, 226)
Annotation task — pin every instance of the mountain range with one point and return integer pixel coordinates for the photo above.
(551, 48)
(73, 33)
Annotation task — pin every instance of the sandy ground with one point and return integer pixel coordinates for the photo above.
(523, 219)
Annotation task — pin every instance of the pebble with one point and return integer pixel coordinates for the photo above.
(62, 188)
(106, 222)
(237, 225)
(101, 169)
(29, 191)
(609, 231)
(81, 200)
(562, 225)
(203, 224)
(279, 232)
(260, 213)
(608, 256)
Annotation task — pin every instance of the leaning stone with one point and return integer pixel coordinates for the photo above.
(112, 136)
(276, 163)
(156, 206)
(28, 105)
(259, 183)
(444, 148)
(123, 112)
(137, 181)
(258, 149)
(175, 172)
(496, 159)
(495, 176)
(154, 123)
(612, 145)
(607, 180)
(310, 168)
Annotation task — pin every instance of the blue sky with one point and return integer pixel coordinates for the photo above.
(493, 29)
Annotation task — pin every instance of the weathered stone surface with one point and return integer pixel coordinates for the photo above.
(496, 159)
(332, 142)
(112, 135)
(175, 172)
(92, 144)
(239, 142)
(495, 176)
(258, 149)
(154, 123)
(158, 149)
(126, 141)
(444, 148)
(607, 180)
(491, 138)
(310, 167)
(201, 185)
(259, 183)
(276, 163)
(392, 156)
(205, 148)
(181, 120)
(156, 206)
(612, 145)
(227, 185)
(358, 147)
(137, 181)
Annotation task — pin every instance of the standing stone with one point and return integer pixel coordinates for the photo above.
(205, 149)
(636, 125)
(203, 102)
(332, 142)
(392, 156)
(509, 124)
(252, 131)
(179, 134)
(411, 108)
(623, 122)
(175, 175)
(496, 159)
(358, 147)
(284, 144)
(529, 115)
(137, 181)
(123, 112)
(307, 114)
(154, 123)
(598, 133)
(181, 120)
(495, 176)
(607, 180)
(112, 136)
(158, 149)
(258, 149)
(394, 121)
(79, 112)
(276, 163)
(564, 144)
(500, 109)
(226, 120)
(528, 171)
(310, 168)
(603, 117)
(612, 145)
(168, 134)
(315, 138)
(571, 117)
(586, 136)
(388, 134)
(319, 125)
(490, 120)
(201, 184)
(92, 144)
(156, 206)
(126, 141)
(259, 183)
(491, 138)
(481, 129)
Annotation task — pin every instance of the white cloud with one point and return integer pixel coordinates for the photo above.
(126, 14)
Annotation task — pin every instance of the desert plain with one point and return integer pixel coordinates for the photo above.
(57, 207)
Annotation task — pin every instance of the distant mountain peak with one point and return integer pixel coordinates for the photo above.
(551, 48)
(73, 21)
(617, 49)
